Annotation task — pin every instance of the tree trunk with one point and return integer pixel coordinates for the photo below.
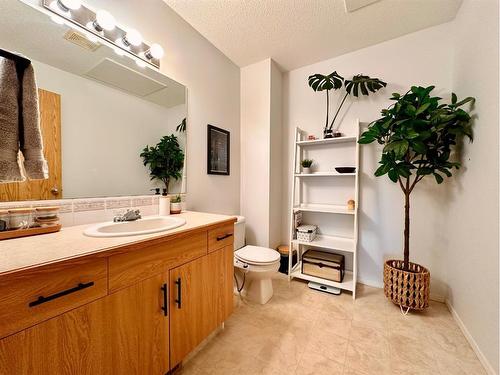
(407, 232)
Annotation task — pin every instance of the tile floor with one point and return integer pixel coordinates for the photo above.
(301, 331)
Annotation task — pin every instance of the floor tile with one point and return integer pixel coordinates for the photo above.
(302, 331)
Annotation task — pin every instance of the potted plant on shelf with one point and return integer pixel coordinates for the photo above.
(333, 81)
(176, 205)
(165, 160)
(419, 133)
(306, 165)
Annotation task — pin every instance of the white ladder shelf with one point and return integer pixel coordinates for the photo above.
(345, 245)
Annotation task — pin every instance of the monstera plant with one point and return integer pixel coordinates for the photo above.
(419, 133)
(359, 84)
(165, 160)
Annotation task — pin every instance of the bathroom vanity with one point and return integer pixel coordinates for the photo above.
(71, 304)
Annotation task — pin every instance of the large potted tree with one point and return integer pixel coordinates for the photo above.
(419, 133)
(165, 160)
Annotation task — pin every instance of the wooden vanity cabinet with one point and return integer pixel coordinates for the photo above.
(147, 327)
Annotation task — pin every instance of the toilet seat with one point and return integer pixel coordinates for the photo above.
(256, 255)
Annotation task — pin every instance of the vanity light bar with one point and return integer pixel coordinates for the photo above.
(101, 24)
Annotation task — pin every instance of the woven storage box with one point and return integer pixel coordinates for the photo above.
(323, 264)
(409, 289)
(306, 233)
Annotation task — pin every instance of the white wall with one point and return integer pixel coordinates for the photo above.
(276, 163)
(213, 94)
(422, 58)
(255, 152)
(103, 131)
(261, 152)
(472, 197)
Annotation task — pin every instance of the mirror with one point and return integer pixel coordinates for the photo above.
(98, 110)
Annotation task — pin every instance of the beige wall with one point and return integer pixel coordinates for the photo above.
(472, 197)
(213, 94)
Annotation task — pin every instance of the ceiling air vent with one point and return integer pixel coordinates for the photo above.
(81, 40)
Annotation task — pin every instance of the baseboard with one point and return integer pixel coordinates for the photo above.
(486, 364)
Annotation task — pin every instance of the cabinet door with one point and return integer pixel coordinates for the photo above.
(202, 298)
(139, 327)
(186, 309)
(73, 343)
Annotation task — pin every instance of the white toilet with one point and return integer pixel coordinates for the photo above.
(254, 266)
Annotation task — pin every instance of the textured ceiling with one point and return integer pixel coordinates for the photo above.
(300, 32)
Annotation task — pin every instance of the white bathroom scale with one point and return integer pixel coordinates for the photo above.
(324, 288)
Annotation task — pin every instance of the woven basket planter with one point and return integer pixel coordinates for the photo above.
(409, 289)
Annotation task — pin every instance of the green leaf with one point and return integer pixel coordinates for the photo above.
(438, 177)
(453, 98)
(364, 83)
(466, 100)
(320, 82)
(399, 147)
(365, 139)
(422, 108)
(393, 175)
(418, 147)
(383, 169)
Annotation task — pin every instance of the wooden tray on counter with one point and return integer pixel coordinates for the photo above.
(16, 233)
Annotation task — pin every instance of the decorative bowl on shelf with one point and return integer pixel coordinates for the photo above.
(345, 169)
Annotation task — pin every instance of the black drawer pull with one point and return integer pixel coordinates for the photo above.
(165, 299)
(179, 293)
(42, 299)
(227, 235)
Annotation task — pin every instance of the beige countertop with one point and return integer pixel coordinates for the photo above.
(69, 243)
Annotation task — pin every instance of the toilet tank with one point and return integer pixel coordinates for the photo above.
(239, 233)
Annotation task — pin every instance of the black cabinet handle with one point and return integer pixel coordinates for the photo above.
(42, 299)
(227, 235)
(179, 293)
(164, 289)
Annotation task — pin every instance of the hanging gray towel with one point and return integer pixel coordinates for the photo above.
(19, 125)
(31, 143)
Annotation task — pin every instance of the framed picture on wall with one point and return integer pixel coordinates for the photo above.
(217, 151)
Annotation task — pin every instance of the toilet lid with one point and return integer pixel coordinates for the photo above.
(257, 255)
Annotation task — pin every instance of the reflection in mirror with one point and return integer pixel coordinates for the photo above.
(98, 111)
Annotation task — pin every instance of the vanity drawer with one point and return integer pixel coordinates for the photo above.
(220, 237)
(144, 262)
(30, 297)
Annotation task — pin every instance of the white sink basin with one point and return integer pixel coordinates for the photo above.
(134, 228)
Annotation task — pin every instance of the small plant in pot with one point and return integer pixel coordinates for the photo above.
(419, 133)
(306, 165)
(176, 205)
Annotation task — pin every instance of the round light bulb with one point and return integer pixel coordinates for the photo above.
(156, 51)
(134, 37)
(70, 4)
(105, 20)
(59, 10)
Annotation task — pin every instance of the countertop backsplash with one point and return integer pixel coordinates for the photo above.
(81, 211)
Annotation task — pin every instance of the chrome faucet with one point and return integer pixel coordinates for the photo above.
(130, 215)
